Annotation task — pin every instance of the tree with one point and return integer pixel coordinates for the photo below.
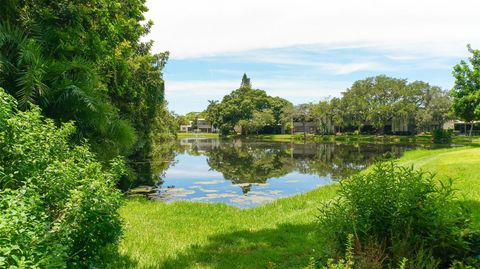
(337, 114)
(239, 107)
(259, 120)
(377, 101)
(245, 82)
(466, 91)
(181, 120)
(355, 103)
(323, 116)
(432, 108)
(382, 95)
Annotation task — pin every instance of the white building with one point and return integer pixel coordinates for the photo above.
(202, 126)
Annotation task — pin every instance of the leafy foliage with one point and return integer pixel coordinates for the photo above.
(397, 212)
(84, 61)
(377, 100)
(58, 206)
(466, 91)
(441, 136)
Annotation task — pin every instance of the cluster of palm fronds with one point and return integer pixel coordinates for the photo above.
(84, 62)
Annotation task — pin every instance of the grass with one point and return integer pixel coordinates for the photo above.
(276, 235)
(200, 235)
(460, 164)
(422, 139)
(186, 135)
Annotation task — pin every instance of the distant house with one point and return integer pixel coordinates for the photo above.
(401, 125)
(407, 125)
(462, 127)
(309, 127)
(185, 128)
(202, 126)
(314, 127)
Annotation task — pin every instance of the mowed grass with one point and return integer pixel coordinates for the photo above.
(200, 235)
(187, 135)
(462, 165)
(422, 139)
(281, 234)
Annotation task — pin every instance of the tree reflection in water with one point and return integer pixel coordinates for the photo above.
(247, 173)
(245, 162)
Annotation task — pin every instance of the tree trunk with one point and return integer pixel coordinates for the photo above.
(471, 128)
(465, 127)
(304, 131)
(292, 128)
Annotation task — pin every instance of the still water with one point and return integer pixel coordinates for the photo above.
(247, 173)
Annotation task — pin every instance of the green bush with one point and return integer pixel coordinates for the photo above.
(441, 136)
(58, 205)
(398, 213)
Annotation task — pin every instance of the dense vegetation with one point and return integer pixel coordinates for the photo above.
(58, 205)
(89, 96)
(396, 213)
(85, 62)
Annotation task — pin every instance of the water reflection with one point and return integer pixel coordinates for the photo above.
(247, 173)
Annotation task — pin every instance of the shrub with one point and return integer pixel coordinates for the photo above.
(58, 205)
(396, 212)
(441, 136)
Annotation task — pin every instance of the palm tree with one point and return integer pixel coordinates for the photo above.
(65, 89)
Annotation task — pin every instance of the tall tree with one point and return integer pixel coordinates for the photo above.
(240, 106)
(466, 91)
(245, 82)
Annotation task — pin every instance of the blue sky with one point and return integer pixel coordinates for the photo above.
(306, 50)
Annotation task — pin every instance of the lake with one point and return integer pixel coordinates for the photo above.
(247, 173)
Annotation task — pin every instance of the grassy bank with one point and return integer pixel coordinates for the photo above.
(277, 235)
(186, 135)
(366, 138)
(460, 164)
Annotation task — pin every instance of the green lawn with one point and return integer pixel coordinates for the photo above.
(186, 135)
(277, 235)
(366, 138)
(460, 164)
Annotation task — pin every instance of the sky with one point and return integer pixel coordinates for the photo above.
(306, 50)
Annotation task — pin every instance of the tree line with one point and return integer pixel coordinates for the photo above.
(369, 105)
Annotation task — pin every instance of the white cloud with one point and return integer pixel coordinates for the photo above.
(195, 28)
(208, 88)
(286, 58)
(294, 90)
